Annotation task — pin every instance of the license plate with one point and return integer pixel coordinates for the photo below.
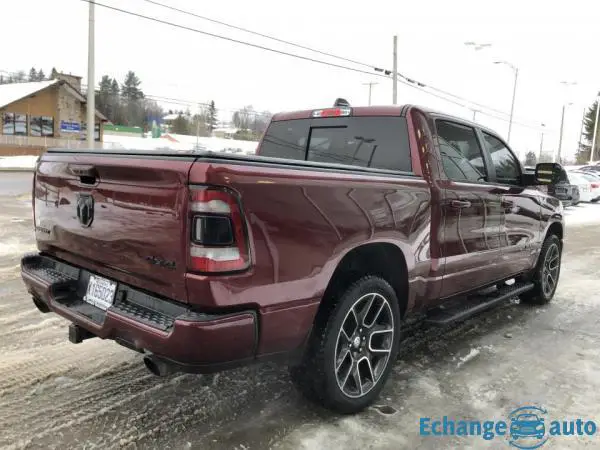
(561, 190)
(100, 292)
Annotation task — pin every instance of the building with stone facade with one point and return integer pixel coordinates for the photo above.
(42, 114)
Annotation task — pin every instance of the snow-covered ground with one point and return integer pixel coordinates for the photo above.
(18, 162)
(582, 214)
(55, 395)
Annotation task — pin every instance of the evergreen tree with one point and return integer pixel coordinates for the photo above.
(33, 75)
(131, 89)
(212, 119)
(2, 79)
(54, 74)
(180, 125)
(41, 76)
(104, 101)
(530, 159)
(589, 125)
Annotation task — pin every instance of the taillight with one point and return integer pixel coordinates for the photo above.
(595, 185)
(218, 237)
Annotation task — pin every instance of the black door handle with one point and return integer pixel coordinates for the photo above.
(460, 203)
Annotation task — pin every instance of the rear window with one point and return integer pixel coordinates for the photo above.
(376, 142)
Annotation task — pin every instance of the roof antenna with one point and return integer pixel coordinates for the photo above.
(341, 102)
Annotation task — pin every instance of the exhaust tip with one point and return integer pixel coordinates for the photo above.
(157, 366)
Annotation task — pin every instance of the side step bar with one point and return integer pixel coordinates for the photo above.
(469, 306)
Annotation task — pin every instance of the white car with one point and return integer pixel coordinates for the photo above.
(594, 179)
(584, 185)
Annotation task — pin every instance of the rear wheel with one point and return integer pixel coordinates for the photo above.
(353, 351)
(546, 273)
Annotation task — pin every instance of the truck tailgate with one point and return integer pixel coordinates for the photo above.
(124, 215)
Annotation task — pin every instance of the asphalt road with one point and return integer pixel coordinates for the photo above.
(98, 395)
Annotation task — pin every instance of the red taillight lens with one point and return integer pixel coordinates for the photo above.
(332, 112)
(595, 185)
(218, 241)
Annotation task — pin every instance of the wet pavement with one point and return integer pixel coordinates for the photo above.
(98, 395)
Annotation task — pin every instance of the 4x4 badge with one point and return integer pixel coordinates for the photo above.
(85, 209)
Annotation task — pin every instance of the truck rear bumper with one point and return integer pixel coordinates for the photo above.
(191, 341)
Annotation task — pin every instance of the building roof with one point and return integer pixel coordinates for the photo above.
(10, 93)
(13, 92)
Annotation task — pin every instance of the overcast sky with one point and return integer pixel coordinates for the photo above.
(550, 42)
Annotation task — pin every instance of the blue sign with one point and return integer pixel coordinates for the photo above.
(70, 127)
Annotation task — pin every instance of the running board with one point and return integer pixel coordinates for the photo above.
(469, 306)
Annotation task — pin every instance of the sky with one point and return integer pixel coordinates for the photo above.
(549, 42)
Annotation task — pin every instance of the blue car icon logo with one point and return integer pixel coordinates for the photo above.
(527, 425)
(527, 430)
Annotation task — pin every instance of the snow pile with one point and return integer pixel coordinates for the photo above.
(179, 142)
(18, 162)
(582, 214)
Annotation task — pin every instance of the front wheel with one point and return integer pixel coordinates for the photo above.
(546, 273)
(352, 353)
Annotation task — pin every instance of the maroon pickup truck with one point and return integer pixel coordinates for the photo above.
(347, 223)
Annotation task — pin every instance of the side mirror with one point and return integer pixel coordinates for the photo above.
(548, 173)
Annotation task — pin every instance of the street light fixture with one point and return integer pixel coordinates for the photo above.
(479, 46)
(512, 105)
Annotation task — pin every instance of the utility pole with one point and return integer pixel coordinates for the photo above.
(91, 103)
(395, 73)
(595, 129)
(474, 115)
(370, 84)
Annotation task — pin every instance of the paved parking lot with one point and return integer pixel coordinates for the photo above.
(98, 395)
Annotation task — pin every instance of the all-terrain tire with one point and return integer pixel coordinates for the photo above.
(550, 258)
(330, 348)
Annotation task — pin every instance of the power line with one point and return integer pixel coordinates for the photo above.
(402, 78)
(236, 41)
(321, 52)
(256, 33)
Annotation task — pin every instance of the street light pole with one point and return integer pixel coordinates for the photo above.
(560, 137)
(512, 105)
(562, 119)
(370, 84)
(395, 73)
(542, 142)
(91, 106)
(514, 95)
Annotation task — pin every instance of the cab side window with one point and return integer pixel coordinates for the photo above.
(462, 158)
(508, 170)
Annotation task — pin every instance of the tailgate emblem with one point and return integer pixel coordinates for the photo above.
(85, 209)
